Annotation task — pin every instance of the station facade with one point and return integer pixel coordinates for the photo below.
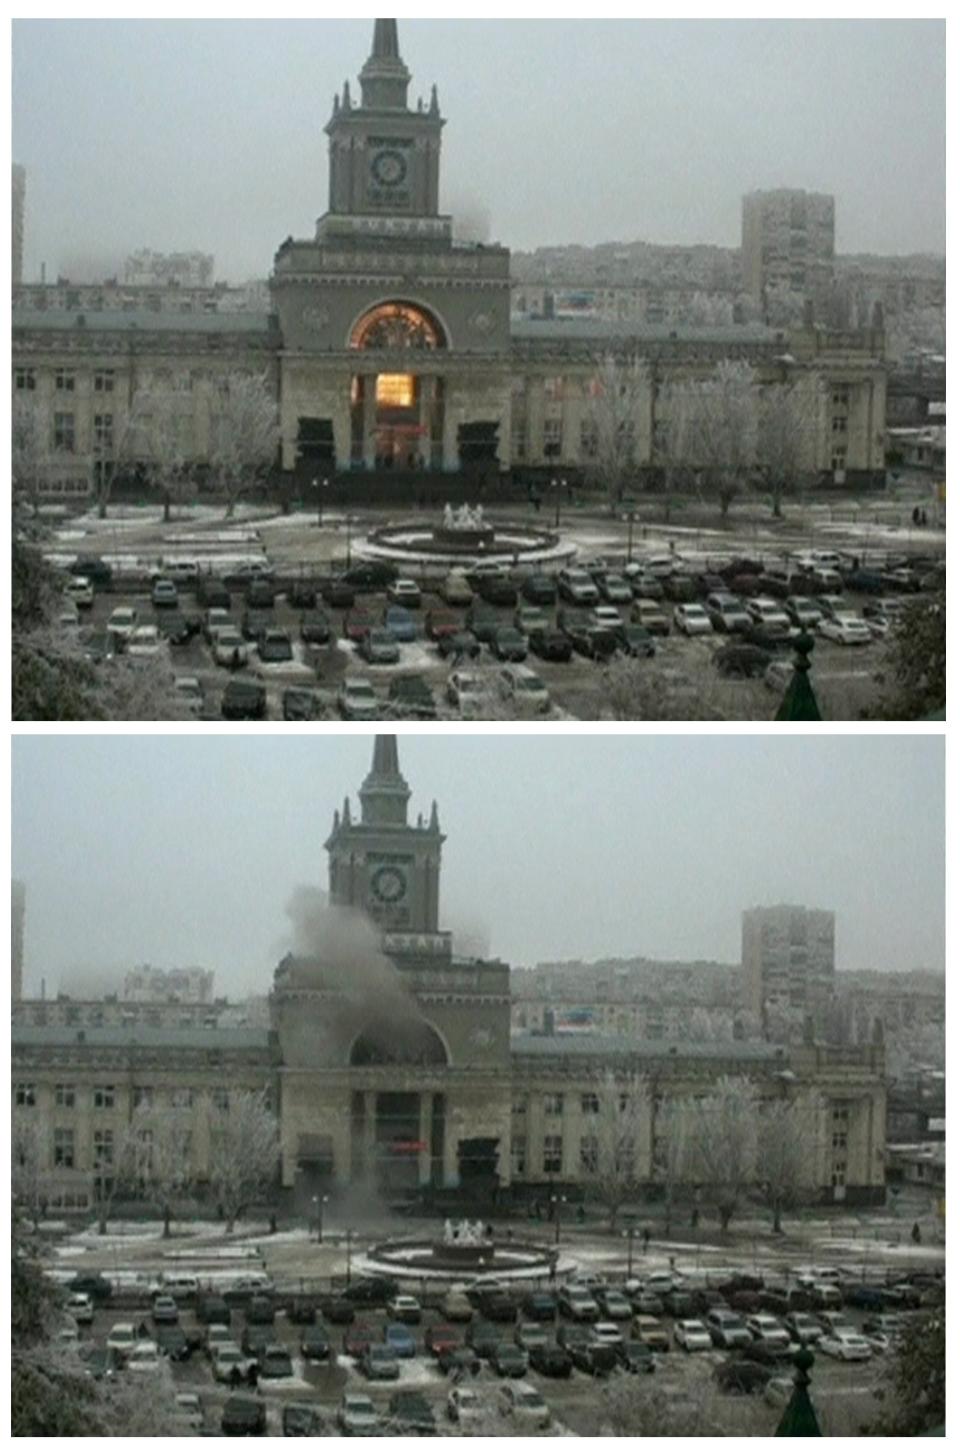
(390, 346)
(391, 1064)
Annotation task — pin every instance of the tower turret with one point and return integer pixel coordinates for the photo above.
(384, 793)
(384, 78)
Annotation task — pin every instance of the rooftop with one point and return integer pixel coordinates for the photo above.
(583, 328)
(588, 1044)
(63, 319)
(199, 1038)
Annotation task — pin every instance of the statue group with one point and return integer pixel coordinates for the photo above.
(464, 1234)
(463, 517)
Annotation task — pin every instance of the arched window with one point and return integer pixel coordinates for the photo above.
(413, 1045)
(397, 326)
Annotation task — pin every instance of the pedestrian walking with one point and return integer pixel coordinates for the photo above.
(915, 1232)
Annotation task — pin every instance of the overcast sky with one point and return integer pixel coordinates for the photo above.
(186, 850)
(208, 135)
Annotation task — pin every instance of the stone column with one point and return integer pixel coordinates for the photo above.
(369, 419)
(451, 418)
(426, 1129)
(369, 1135)
(451, 1140)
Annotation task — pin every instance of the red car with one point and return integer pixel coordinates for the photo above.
(441, 622)
(357, 623)
(440, 1337)
(358, 1336)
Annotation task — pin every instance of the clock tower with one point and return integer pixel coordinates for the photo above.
(383, 866)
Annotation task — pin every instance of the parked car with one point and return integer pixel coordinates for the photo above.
(464, 644)
(371, 576)
(164, 594)
(356, 700)
(379, 646)
(230, 1364)
(539, 589)
(691, 1334)
(244, 699)
(400, 623)
(508, 1360)
(636, 1357)
(578, 1304)
(540, 1306)
(806, 613)
(302, 594)
(551, 1360)
(358, 1336)
(529, 1335)
(275, 646)
(338, 593)
(551, 644)
(596, 1359)
(440, 622)
(650, 1331)
(145, 1358)
(164, 1309)
(301, 704)
(356, 624)
(404, 591)
(464, 1407)
(615, 589)
(173, 1342)
(216, 1336)
(315, 628)
(244, 1415)
(466, 692)
(300, 1420)
(229, 648)
(411, 1413)
(314, 1344)
(456, 1306)
(845, 629)
(455, 588)
(80, 1307)
(523, 1406)
(769, 617)
(122, 622)
(614, 1305)
(803, 1328)
(769, 1331)
(692, 619)
(851, 1347)
(79, 592)
(577, 587)
(379, 1361)
(357, 1416)
(404, 1308)
(372, 1292)
(651, 616)
(337, 1309)
(509, 643)
(122, 1339)
(726, 1329)
(410, 697)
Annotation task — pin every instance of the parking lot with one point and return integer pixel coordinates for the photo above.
(576, 1403)
(575, 687)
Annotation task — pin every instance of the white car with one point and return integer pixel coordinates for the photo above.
(466, 692)
(405, 1308)
(230, 1364)
(851, 1347)
(190, 1411)
(215, 620)
(230, 647)
(455, 589)
(404, 591)
(769, 615)
(464, 1406)
(356, 699)
(145, 642)
(846, 629)
(455, 1306)
(189, 689)
(616, 589)
(219, 1335)
(692, 619)
(768, 1330)
(606, 1332)
(145, 1358)
(605, 616)
(122, 1338)
(524, 690)
(577, 587)
(692, 1335)
(357, 1416)
(123, 621)
(522, 1404)
(80, 590)
(80, 1307)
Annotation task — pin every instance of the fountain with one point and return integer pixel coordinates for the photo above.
(462, 536)
(463, 1248)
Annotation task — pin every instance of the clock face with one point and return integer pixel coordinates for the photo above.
(389, 168)
(389, 884)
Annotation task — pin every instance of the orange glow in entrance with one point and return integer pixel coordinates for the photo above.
(395, 390)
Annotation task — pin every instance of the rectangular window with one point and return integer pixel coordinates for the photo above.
(65, 380)
(25, 1094)
(839, 1141)
(839, 425)
(104, 1096)
(103, 432)
(65, 1094)
(841, 396)
(840, 1114)
(552, 1154)
(142, 1097)
(25, 379)
(552, 437)
(103, 1149)
(553, 1104)
(518, 1155)
(838, 1178)
(589, 1102)
(589, 1154)
(63, 1147)
(838, 460)
(63, 433)
(519, 1107)
(553, 388)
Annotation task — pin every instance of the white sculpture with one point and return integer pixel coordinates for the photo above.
(448, 1233)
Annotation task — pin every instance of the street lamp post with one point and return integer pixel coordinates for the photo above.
(319, 487)
(348, 538)
(631, 520)
(631, 1230)
(556, 1202)
(349, 1248)
(319, 1203)
(557, 484)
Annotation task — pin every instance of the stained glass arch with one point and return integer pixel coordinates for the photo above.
(397, 327)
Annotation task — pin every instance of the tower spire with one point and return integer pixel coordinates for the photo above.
(384, 793)
(384, 78)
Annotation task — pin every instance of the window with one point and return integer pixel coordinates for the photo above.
(221, 1099)
(103, 1149)
(552, 437)
(553, 388)
(65, 380)
(838, 1178)
(65, 1094)
(518, 437)
(839, 425)
(518, 1155)
(104, 1096)
(589, 1154)
(63, 1147)
(839, 1141)
(63, 433)
(838, 460)
(552, 1154)
(25, 1094)
(589, 1102)
(841, 1114)
(519, 1107)
(841, 396)
(142, 1097)
(553, 1104)
(103, 432)
(25, 379)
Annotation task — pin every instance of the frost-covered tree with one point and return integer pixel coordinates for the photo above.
(163, 1156)
(28, 450)
(786, 441)
(244, 1151)
(633, 1405)
(723, 1144)
(31, 1162)
(619, 399)
(712, 427)
(164, 446)
(615, 1134)
(786, 1151)
(671, 1149)
(246, 434)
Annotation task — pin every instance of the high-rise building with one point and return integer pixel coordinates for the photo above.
(18, 911)
(19, 200)
(787, 252)
(788, 963)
